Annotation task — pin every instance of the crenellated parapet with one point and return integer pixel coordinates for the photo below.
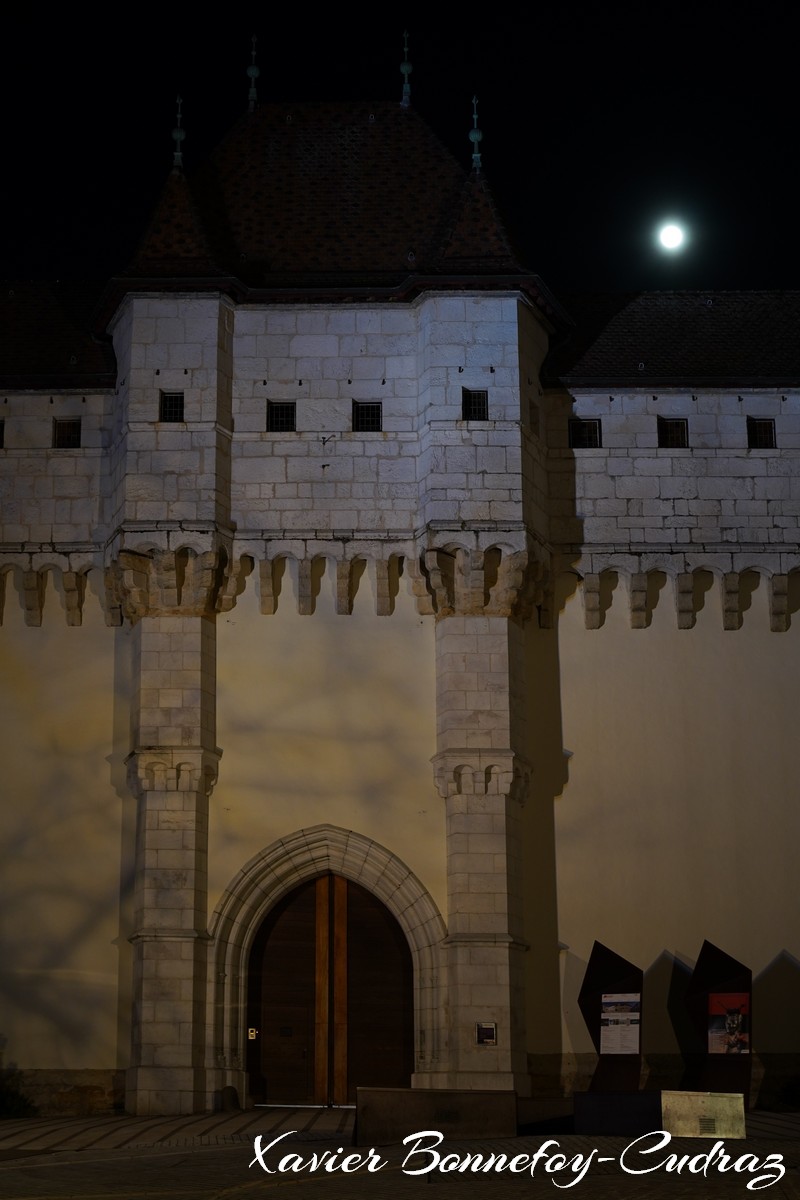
(171, 583)
(148, 580)
(474, 773)
(29, 575)
(446, 578)
(496, 581)
(689, 591)
(348, 573)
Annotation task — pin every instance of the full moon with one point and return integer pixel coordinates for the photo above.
(671, 237)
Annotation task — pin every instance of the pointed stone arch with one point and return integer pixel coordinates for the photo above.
(271, 875)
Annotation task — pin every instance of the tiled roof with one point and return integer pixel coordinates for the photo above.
(174, 242)
(477, 229)
(46, 337)
(319, 195)
(700, 338)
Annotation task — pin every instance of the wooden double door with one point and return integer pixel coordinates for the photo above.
(330, 1003)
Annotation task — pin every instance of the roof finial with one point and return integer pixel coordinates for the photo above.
(252, 74)
(405, 71)
(475, 136)
(178, 135)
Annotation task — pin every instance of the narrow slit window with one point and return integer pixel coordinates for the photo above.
(474, 404)
(367, 416)
(760, 433)
(2, 435)
(281, 416)
(66, 433)
(673, 433)
(170, 409)
(584, 433)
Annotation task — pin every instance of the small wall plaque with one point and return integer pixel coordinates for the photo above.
(485, 1033)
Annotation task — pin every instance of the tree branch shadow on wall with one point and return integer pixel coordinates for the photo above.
(118, 772)
(59, 876)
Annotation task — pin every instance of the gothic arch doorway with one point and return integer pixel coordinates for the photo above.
(330, 997)
(262, 884)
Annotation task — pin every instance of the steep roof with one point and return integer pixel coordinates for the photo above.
(676, 338)
(174, 242)
(477, 230)
(336, 196)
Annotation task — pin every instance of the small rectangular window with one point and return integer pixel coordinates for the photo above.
(170, 409)
(281, 416)
(67, 433)
(673, 433)
(760, 433)
(367, 416)
(474, 405)
(2, 435)
(584, 434)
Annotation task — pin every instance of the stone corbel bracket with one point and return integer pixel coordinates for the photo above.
(640, 616)
(779, 619)
(592, 608)
(173, 769)
(482, 773)
(684, 600)
(69, 571)
(311, 570)
(688, 587)
(472, 581)
(172, 583)
(731, 601)
(33, 583)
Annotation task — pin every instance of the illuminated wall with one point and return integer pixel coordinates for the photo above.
(61, 838)
(326, 719)
(678, 820)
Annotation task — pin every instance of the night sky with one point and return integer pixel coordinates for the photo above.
(597, 122)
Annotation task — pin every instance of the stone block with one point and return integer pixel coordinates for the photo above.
(683, 1114)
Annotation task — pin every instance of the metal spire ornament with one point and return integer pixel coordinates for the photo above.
(475, 136)
(405, 70)
(252, 74)
(178, 135)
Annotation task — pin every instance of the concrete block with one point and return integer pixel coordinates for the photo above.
(683, 1114)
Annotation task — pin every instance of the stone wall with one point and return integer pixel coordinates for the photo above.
(715, 497)
(89, 1093)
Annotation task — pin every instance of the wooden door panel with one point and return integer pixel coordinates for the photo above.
(379, 996)
(288, 969)
(339, 1092)
(330, 989)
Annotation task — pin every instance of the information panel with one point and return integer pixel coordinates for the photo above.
(728, 1023)
(620, 1022)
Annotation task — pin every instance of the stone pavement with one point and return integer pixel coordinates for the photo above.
(208, 1158)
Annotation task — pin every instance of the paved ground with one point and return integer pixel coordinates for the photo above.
(208, 1158)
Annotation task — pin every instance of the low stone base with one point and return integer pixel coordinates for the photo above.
(61, 1093)
(387, 1115)
(164, 1091)
(683, 1114)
